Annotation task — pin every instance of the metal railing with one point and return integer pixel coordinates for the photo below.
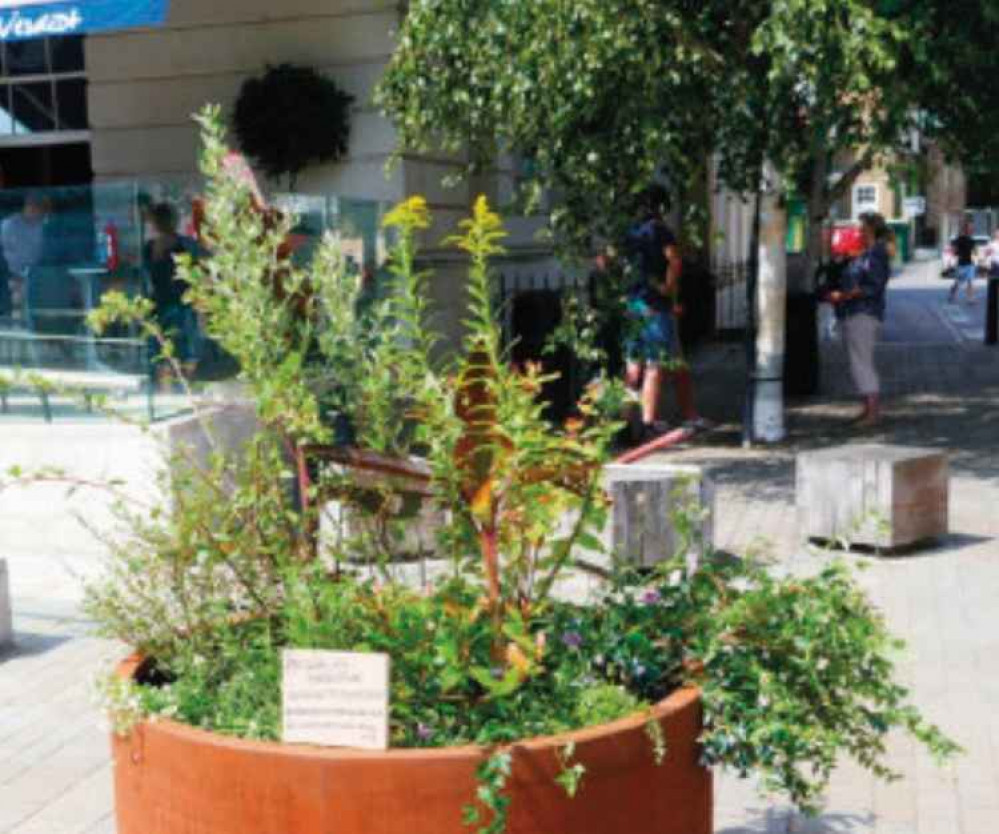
(731, 305)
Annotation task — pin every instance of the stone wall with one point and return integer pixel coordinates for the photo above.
(145, 84)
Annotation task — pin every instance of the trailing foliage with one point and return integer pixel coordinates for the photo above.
(292, 117)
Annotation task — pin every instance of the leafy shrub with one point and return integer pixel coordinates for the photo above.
(794, 672)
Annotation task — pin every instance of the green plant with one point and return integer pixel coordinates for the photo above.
(213, 584)
(492, 774)
(796, 673)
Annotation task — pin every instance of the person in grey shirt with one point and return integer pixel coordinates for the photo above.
(22, 239)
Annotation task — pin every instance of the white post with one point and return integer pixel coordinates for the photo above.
(771, 306)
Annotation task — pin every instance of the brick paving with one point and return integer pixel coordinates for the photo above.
(940, 393)
(55, 774)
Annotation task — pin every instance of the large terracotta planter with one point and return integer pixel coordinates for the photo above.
(172, 779)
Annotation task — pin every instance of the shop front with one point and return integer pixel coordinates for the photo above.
(31, 19)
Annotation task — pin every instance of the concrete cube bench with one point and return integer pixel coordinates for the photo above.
(6, 619)
(643, 529)
(886, 497)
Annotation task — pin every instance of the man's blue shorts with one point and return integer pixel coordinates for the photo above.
(966, 274)
(650, 334)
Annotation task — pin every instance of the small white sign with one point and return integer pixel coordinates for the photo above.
(335, 699)
(914, 206)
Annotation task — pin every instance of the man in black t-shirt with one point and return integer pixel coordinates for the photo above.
(964, 248)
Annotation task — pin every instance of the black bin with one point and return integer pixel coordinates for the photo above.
(801, 356)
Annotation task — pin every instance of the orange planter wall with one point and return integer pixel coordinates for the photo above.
(172, 779)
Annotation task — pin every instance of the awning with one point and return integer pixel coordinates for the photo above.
(24, 19)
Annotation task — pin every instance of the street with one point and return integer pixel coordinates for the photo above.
(918, 311)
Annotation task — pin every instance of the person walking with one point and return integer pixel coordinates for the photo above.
(652, 348)
(860, 310)
(964, 248)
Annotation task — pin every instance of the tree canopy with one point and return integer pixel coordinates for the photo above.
(596, 95)
(951, 69)
(600, 96)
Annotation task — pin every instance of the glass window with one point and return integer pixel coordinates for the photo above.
(71, 96)
(66, 54)
(43, 87)
(865, 198)
(34, 108)
(6, 111)
(867, 194)
(26, 57)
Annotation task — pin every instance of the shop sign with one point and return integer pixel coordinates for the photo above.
(26, 19)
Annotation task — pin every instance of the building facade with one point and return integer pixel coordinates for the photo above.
(941, 184)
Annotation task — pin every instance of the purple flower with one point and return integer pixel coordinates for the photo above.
(423, 732)
(651, 597)
(572, 639)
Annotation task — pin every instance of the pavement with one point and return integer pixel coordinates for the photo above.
(942, 390)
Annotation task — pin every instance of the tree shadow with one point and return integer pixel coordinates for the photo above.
(29, 644)
(781, 819)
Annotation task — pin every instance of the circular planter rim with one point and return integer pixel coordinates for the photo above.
(677, 701)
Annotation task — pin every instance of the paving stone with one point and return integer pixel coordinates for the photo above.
(6, 616)
(941, 600)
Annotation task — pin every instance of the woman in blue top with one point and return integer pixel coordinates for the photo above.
(860, 308)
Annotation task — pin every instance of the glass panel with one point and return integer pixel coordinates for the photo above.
(72, 98)
(26, 58)
(67, 54)
(6, 112)
(89, 242)
(34, 111)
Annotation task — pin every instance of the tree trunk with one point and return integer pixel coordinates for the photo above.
(771, 310)
(752, 283)
(818, 211)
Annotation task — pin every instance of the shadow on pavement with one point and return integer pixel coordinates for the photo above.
(782, 820)
(28, 644)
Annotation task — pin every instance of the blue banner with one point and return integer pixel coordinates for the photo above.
(24, 19)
